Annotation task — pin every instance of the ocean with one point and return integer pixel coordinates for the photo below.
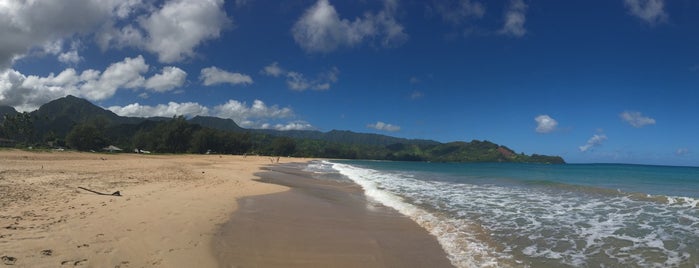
(533, 215)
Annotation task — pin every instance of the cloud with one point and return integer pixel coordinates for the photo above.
(172, 30)
(515, 17)
(212, 76)
(273, 70)
(258, 115)
(297, 81)
(187, 109)
(181, 25)
(27, 25)
(320, 28)
(682, 152)
(416, 95)
(241, 113)
(384, 127)
(27, 93)
(170, 78)
(636, 119)
(545, 124)
(650, 11)
(297, 125)
(594, 141)
(459, 11)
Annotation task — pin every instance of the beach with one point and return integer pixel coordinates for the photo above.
(187, 211)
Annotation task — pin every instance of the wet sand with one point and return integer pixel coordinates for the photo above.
(321, 223)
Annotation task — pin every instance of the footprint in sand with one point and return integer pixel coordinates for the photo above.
(47, 252)
(7, 260)
(74, 262)
(84, 246)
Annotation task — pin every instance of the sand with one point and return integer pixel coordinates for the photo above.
(322, 223)
(192, 211)
(170, 207)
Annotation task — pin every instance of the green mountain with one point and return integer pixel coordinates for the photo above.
(57, 120)
(7, 111)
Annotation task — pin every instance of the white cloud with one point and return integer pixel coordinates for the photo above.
(384, 127)
(650, 11)
(459, 11)
(170, 78)
(181, 25)
(27, 25)
(595, 140)
(321, 29)
(212, 76)
(545, 124)
(636, 119)
(324, 80)
(172, 30)
(256, 115)
(123, 74)
(241, 112)
(27, 93)
(187, 109)
(273, 70)
(296, 125)
(515, 17)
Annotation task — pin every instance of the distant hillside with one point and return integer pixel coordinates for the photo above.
(55, 120)
(6, 110)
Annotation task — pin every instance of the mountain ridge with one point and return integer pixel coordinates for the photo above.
(59, 117)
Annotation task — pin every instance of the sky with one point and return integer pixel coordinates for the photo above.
(600, 81)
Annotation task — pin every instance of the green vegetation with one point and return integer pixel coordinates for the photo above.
(80, 125)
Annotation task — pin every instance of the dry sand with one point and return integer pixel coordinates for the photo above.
(170, 207)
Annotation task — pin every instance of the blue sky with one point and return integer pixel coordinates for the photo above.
(592, 81)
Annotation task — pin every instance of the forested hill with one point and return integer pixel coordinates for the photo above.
(78, 124)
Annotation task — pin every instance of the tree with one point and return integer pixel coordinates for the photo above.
(284, 146)
(85, 137)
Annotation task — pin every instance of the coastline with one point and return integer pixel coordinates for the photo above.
(169, 210)
(321, 223)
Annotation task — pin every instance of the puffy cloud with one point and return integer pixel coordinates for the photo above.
(27, 93)
(124, 74)
(245, 115)
(459, 11)
(26, 25)
(545, 124)
(187, 109)
(384, 127)
(170, 78)
(321, 29)
(595, 140)
(650, 11)
(181, 25)
(213, 76)
(256, 115)
(273, 70)
(515, 17)
(636, 119)
(172, 30)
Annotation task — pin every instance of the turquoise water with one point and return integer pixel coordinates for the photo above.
(525, 215)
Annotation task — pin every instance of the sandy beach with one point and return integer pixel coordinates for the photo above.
(175, 211)
(170, 207)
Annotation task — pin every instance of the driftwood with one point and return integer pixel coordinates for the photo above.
(117, 193)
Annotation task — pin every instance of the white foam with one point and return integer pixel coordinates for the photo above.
(571, 227)
(454, 235)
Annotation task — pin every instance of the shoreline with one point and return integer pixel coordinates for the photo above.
(322, 223)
